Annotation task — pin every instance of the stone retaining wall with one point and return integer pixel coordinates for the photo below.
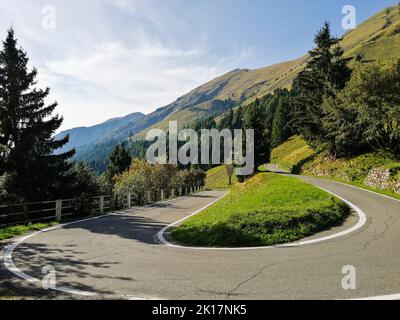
(382, 178)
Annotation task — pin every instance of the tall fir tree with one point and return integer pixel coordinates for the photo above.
(326, 71)
(254, 118)
(27, 126)
(280, 129)
(119, 161)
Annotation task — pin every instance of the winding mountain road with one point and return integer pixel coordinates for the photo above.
(121, 255)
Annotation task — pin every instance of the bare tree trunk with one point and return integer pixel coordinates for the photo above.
(229, 171)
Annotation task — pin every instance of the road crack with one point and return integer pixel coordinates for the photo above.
(378, 236)
(232, 292)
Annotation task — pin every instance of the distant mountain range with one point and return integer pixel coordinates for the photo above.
(377, 39)
(81, 136)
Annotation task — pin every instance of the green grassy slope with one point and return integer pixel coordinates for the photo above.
(240, 86)
(265, 210)
(217, 179)
(373, 39)
(296, 153)
(292, 153)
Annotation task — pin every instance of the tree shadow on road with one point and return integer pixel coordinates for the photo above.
(68, 263)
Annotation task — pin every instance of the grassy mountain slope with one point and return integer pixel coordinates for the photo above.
(239, 86)
(213, 98)
(375, 39)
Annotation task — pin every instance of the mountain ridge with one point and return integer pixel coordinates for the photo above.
(80, 136)
(376, 39)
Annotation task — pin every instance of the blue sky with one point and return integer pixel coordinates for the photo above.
(108, 58)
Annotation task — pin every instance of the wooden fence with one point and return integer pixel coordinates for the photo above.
(58, 210)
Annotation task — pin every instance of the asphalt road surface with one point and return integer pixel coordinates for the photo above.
(120, 255)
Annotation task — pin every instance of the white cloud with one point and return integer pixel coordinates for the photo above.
(112, 57)
(138, 79)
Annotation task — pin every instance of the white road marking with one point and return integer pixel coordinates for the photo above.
(359, 188)
(9, 264)
(381, 298)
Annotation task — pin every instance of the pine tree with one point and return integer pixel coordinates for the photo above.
(119, 161)
(27, 127)
(280, 130)
(85, 182)
(227, 121)
(326, 71)
(237, 121)
(254, 118)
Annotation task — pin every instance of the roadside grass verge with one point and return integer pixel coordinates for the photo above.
(267, 209)
(13, 231)
(296, 156)
(354, 171)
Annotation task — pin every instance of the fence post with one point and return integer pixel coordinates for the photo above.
(148, 197)
(129, 200)
(58, 210)
(173, 193)
(116, 202)
(101, 205)
(162, 195)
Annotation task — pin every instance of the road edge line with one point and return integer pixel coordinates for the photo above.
(8, 251)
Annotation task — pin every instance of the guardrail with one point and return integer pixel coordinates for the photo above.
(29, 212)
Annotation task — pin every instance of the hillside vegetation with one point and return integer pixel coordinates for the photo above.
(377, 171)
(291, 154)
(376, 39)
(240, 86)
(267, 209)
